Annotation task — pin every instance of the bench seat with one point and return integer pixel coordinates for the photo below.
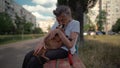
(64, 63)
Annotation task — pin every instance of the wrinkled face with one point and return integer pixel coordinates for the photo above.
(62, 19)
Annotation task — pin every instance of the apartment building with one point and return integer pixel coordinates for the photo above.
(24, 14)
(112, 7)
(13, 9)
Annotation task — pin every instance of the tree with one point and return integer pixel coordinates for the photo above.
(28, 27)
(86, 27)
(116, 26)
(78, 7)
(101, 19)
(6, 25)
(38, 30)
(88, 20)
(89, 25)
(20, 24)
(23, 26)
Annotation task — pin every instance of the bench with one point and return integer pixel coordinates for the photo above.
(64, 63)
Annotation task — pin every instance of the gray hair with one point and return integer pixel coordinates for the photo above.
(62, 9)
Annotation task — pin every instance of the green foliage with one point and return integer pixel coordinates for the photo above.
(116, 26)
(62, 2)
(89, 26)
(101, 19)
(86, 27)
(85, 4)
(20, 24)
(23, 27)
(6, 24)
(37, 31)
(28, 27)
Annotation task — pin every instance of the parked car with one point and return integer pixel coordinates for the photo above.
(99, 33)
(92, 33)
(85, 33)
(111, 33)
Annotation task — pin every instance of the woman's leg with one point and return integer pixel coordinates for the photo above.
(52, 55)
(27, 59)
(56, 54)
(35, 63)
(32, 61)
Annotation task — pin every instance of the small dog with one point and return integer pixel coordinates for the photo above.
(52, 43)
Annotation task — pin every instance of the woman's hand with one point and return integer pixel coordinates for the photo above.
(38, 48)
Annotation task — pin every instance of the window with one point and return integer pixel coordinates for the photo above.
(107, 2)
(117, 10)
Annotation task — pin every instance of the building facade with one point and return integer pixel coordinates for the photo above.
(112, 7)
(13, 9)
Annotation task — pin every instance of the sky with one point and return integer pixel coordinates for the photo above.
(42, 9)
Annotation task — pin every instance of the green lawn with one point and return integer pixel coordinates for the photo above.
(4, 39)
(101, 51)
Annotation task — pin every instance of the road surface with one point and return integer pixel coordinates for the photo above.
(12, 55)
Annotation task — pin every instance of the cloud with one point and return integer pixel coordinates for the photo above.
(39, 8)
(45, 3)
(43, 9)
(41, 17)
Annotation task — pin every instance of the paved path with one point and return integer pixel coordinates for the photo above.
(12, 55)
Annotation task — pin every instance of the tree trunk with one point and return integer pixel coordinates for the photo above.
(79, 16)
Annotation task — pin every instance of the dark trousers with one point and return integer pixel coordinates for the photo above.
(31, 61)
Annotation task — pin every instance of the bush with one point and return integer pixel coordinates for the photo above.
(37, 31)
(6, 24)
(116, 26)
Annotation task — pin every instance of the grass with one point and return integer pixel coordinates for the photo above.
(4, 39)
(101, 51)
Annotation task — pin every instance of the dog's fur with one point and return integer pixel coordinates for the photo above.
(51, 44)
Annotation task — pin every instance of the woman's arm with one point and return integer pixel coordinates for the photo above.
(66, 41)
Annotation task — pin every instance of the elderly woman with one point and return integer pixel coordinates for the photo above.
(71, 31)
